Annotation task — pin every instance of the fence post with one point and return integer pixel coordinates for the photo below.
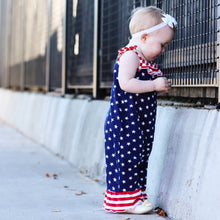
(218, 48)
(64, 78)
(95, 50)
(8, 35)
(47, 86)
(22, 69)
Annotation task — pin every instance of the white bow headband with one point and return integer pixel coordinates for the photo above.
(167, 20)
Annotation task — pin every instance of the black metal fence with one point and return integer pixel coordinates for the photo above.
(72, 45)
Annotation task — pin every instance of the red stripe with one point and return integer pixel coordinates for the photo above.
(110, 210)
(123, 205)
(123, 193)
(122, 199)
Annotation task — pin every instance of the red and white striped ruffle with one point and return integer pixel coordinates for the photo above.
(152, 68)
(122, 201)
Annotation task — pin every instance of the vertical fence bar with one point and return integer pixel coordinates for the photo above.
(95, 50)
(63, 73)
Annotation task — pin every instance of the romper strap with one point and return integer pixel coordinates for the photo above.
(151, 67)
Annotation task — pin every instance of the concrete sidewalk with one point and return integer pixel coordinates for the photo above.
(26, 193)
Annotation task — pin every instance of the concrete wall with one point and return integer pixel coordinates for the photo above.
(184, 168)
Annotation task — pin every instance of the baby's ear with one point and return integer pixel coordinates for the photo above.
(144, 37)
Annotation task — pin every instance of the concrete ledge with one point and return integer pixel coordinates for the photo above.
(183, 174)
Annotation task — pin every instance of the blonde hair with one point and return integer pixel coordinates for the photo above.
(144, 17)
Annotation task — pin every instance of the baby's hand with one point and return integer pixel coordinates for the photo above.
(162, 84)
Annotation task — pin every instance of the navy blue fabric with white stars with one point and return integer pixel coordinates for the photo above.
(129, 134)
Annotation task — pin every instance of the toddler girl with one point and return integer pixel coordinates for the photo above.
(130, 123)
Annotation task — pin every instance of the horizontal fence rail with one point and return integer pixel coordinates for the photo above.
(71, 45)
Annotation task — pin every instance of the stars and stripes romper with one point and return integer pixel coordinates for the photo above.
(129, 134)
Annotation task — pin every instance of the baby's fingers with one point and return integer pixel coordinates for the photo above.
(168, 84)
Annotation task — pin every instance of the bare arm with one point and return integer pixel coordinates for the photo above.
(129, 63)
